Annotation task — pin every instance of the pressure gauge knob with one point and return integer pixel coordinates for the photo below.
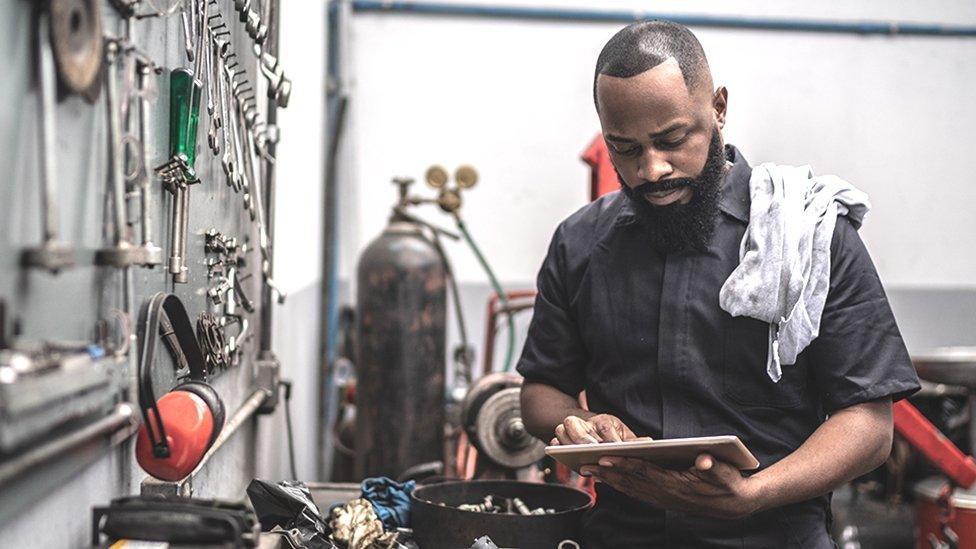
(466, 177)
(436, 177)
(449, 200)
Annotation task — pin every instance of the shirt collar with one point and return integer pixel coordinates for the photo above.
(733, 197)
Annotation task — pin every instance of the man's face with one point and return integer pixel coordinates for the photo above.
(665, 143)
(656, 129)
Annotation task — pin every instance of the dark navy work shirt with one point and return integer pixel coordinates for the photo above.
(642, 332)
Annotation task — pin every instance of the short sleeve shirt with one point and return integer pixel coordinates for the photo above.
(643, 333)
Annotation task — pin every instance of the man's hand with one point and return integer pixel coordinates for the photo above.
(598, 428)
(709, 488)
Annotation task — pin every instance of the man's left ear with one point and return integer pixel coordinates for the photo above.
(720, 104)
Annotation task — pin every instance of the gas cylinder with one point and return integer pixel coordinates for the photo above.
(401, 325)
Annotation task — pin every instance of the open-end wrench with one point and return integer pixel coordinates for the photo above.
(51, 254)
(279, 87)
(213, 103)
(187, 33)
(200, 16)
(243, 162)
(226, 160)
(264, 242)
(232, 154)
(237, 131)
(225, 63)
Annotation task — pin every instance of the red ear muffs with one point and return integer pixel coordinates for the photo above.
(209, 395)
(181, 426)
(188, 424)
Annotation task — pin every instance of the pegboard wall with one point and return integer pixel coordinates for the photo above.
(92, 301)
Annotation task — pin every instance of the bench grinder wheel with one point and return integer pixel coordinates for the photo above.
(493, 420)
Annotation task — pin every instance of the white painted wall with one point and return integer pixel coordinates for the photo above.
(513, 98)
(298, 236)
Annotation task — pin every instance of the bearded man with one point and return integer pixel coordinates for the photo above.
(633, 308)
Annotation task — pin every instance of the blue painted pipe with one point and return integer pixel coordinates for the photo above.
(623, 16)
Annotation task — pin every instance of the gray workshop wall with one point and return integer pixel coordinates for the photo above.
(52, 506)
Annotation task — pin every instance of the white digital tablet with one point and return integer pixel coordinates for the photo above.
(674, 453)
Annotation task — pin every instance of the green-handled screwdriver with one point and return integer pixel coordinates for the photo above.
(184, 114)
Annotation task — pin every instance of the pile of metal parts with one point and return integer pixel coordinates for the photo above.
(505, 506)
(512, 513)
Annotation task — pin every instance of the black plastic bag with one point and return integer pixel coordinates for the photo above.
(288, 505)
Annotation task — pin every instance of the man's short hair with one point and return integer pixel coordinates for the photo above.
(639, 47)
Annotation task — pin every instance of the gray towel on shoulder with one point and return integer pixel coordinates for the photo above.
(784, 259)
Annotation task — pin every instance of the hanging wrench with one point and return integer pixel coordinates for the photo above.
(51, 254)
(121, 253)
(264, 242)
(187, 33)
(239, 167)
(243, 162)
(213, 105)
(151, 254)
(231, 159)
(279, 86)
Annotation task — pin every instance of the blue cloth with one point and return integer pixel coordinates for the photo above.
(390, 499)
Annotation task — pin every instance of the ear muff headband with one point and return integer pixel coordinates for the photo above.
(183, 330)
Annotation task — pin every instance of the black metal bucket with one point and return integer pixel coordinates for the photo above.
(438, 524)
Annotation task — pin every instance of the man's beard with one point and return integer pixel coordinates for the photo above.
(683, 227)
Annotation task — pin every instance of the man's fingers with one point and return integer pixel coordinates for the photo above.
(610, 431)
(562, 436)
(715, 472)
(704, 462)
(580, 431)
(633, 467)
(627, 434)
(600, 428)
(625, 481)
(704, 469)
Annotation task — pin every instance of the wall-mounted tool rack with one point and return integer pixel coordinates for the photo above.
(139, 139)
